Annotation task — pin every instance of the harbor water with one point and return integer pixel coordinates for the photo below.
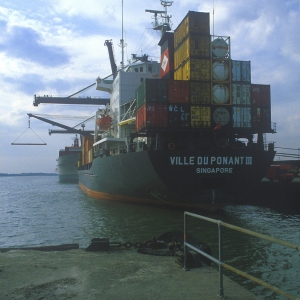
(39, 211)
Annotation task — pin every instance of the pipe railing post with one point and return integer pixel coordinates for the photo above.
(184, 243)
(224, 265)
(221, 290)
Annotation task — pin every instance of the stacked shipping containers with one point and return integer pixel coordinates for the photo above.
(209, 89)
(151, 99)
(87, 149)
(241, 93)
(193, 63)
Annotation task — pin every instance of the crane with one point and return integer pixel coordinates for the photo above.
(113, 65)
(70, 99)
(67, 128)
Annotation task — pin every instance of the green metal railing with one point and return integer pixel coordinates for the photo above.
(219, 261)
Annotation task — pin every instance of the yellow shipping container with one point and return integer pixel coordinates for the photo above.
(194, 69)
(200, 92)
(82, 156)
(178, 74)
(194, 22)
(90, 155)
(195, 46)
(200, 116)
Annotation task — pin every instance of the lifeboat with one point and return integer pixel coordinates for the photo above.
(104, 122)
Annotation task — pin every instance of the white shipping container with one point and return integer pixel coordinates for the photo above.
(241, 117)
(241, 93)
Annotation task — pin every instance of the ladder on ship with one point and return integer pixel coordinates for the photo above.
(127, 112)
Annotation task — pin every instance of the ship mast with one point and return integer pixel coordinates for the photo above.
(164, 24)
(122, 42)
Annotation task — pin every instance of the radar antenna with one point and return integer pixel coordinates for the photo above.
(162, 22)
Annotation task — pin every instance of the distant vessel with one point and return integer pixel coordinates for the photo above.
(67, 163)
(180, 132)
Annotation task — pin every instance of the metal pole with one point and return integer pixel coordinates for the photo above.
(184, 243)
(221, 290)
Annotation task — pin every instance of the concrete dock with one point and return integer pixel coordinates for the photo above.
(114, 274)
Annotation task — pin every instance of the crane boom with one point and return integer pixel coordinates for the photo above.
(113, 65)
(68, 100)
(70, 129)
(52, 131)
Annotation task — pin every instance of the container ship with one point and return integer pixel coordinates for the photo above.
(188, 131)
(67, 163)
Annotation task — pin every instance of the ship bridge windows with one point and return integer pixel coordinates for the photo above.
(139, 70)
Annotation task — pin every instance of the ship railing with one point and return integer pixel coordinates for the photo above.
(222, 264)
(291, 153)
(121, 149)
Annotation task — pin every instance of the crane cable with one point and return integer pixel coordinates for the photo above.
(28, 144)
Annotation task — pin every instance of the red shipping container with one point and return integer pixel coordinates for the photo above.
(151, 115)
(140, 121)
(179, 91)
(260, 95)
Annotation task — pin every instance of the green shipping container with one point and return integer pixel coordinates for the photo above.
(152, 91)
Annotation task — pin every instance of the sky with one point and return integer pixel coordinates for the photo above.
(56, 47)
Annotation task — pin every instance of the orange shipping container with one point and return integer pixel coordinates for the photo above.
(88, 144)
